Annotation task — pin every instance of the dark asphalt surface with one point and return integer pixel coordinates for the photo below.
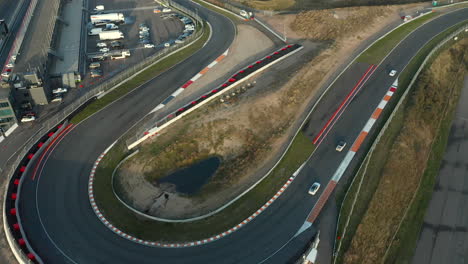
(444, 236)
(75, 235)
(7, 9)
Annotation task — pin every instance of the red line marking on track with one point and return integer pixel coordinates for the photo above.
(58, 142)
(45, 151)
(345, 106)
(342, 104)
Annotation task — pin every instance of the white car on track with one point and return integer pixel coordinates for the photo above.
(392, 73)
(314, 188)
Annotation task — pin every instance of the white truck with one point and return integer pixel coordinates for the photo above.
(111, 35)
(107, 18)
(95, 31)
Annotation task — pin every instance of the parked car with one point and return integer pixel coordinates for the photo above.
(27, 118)
(57, 98)
(166, 10)
(341, 145)
(156, 10)
(145, 41)
(101, 45)
(104, 50)
(59, 90)
(94, 65)
(314, 188)
(97, 58)
(96, 73)
(167, 44)
(178, 41)
(392, 73)
(99, 8)
(116, 44)
(149, 46)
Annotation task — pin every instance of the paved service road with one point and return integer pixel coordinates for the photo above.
(444, 236)
(57, 201)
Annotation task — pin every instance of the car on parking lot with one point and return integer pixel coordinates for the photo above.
(104, 49)
(156, 10)
(392, 73)
(101, 45)
(341, 145)
(96, 58)
(94, 65)
(57, 98)
(116, 44)
(167, 44)
(27, 118)
(145, 41)
(166, 10)
(179, 40)
(149, 46)
(314, 188)
(59, 90)
(96, 73)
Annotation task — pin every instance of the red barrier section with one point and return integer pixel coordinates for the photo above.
(21, 242)
(16, 226)
(31, 256)
(40, 144)
(23, 168)
(13, 211)
(16, 182)
(14, 196)
(30, 156)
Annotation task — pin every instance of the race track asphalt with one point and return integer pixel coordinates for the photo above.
(59, 198)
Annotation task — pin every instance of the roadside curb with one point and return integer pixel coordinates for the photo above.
(12, 201)
(190, 82)
(121, 233)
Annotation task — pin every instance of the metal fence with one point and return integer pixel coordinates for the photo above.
(429, 57)
(12, 164)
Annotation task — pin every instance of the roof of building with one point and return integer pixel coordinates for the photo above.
(36, 43)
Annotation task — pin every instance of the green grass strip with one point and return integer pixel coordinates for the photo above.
(141, 78)
(381, 48)
(126, 220)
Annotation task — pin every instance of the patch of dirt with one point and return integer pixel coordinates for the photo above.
(339, 23)
(247, 130)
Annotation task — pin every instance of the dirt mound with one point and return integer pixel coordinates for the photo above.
(337, 23)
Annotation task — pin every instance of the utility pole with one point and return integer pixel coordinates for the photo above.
(284, 32)
(2, 132)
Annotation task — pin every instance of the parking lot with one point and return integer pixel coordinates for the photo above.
(162, 27)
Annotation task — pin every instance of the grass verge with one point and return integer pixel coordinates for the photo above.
(141, 78)
(381, 48)
(126, 220)
(402, 250)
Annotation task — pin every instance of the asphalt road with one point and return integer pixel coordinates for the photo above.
(444, 236)
(58, 202)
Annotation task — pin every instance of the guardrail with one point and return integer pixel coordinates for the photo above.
(12, 166)
(336, 248)
(14, 231)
